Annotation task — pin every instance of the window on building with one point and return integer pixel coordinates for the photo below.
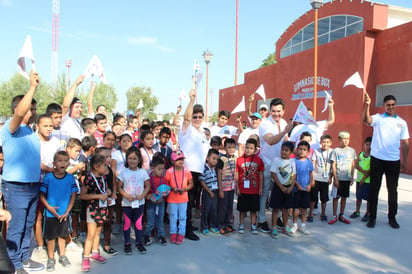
(329, 29)
(401, 91)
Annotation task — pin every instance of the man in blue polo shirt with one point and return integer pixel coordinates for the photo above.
(389, 133)
(21, 176)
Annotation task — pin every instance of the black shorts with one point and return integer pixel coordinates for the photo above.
(343, 190)
(279, 200)
(301, 199)
(323, 189)
(53, 228)
(248, 202)
(76, 209)
(362, 192)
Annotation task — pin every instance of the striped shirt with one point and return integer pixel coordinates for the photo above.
(209, 177)
(228, 172)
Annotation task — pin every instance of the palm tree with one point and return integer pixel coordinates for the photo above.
(270, 60)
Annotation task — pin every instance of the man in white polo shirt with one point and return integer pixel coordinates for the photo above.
(71, 112)
(389, 133)
(272, 133)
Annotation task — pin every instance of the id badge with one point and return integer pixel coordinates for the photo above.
(246, 184)
(325, 173)
(102, 203)
(135, 204)
(111, 201)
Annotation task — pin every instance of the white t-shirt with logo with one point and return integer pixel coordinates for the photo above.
(284, 169)
(388, 131)
(269, 152)
(133, 183)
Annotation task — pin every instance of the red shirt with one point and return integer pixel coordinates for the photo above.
(249, 168)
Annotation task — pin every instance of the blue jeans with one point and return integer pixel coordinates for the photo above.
(209, 210)
(267, 187)
(177, 212)
(21, 200)
(225, 206)
(155, 213)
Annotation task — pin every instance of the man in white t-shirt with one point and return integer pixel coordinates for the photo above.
(390, 132)
(71, 112)
(272, 133)
(255, 120)
(193, 143)
(222, 128)
(315, 131)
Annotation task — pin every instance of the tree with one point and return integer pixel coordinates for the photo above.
(269, 60)
(134, 94)
(19, 85)
(169, 116)
(214, 117)
(104, 95)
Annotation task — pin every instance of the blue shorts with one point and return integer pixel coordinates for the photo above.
(362, 192)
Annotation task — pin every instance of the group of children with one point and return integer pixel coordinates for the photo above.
(140, 177)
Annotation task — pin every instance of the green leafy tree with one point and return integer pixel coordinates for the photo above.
(19, 85)
(134, 94)
(104, 95)
(214, 117)
(168, 116)
(269, 60)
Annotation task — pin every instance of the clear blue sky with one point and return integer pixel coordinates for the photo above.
(150, 43)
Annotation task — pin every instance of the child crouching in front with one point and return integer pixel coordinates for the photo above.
(180, 181)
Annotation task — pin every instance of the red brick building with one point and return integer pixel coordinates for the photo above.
(354, 35)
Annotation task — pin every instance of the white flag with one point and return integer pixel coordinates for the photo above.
(183, 96)
(26, 52)
(261, 91)
(197, 72)
(355, 80)
(240, 107)
(95, 67)
(140, 105)
(327, 98)
(303, 116)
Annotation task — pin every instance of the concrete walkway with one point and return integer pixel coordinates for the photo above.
(338, 248)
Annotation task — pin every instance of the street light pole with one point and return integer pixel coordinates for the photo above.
(207, 56)
(316, 4)
(68, 64)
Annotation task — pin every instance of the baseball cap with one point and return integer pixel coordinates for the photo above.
(176, 155)
(130, 113)
(257, 115)
(264, 106)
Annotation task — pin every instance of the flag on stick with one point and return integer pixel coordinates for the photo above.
(140, 105)
(183, 96)
(261, 91)
(303, 116)
(355, 80)
(327, 98)
(197, 72)
(26, 52)
(240, 107)
(95, 67)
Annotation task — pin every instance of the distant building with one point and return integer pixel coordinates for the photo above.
(354, 35)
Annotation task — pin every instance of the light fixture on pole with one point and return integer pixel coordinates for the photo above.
(316, 4)
(207, 56)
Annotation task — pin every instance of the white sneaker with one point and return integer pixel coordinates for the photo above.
(294, 228)
(72, 246)
(40, 254)
(304, 230)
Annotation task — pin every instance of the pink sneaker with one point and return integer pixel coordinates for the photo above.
(179, 239)
(97, 258)
(86, 264)
(173, 237)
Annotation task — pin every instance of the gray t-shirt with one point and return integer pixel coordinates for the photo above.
(344, 158)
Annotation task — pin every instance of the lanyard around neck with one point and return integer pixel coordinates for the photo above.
(98, 185)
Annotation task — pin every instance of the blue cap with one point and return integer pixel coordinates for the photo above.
(257, 115)
(130, 113)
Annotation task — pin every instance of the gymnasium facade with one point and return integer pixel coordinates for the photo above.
(354, 35)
